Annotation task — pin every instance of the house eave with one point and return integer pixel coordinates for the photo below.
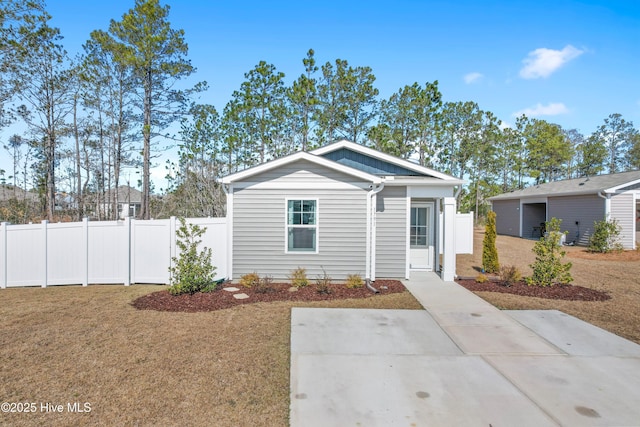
(321, 161)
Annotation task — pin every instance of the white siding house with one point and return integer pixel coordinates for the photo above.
(341, 209)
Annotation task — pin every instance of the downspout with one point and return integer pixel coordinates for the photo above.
(228, 191)
(607, 204)
(370, 237)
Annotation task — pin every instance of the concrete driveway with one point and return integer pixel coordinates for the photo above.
(460, 362)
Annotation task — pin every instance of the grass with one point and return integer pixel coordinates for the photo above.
(223, 368)
(618, 274)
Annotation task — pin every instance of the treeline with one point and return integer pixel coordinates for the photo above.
(90, 118)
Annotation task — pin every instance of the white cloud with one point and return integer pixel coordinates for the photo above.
(553, 109)
(543, 62)
(472, 78)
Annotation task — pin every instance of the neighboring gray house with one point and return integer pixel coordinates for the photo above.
(577, 202)
(344, 208)
(129, 201)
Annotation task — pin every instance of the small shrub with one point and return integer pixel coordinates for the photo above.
(250, 280)
(481, 278)
(299, 278)
(548, 268)
(265, 285)
(323, 282)
(605, 237)
(192, 270)
(490, 262)
(509, 274)
(354, 281)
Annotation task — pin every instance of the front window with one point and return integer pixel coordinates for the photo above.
(302, 225)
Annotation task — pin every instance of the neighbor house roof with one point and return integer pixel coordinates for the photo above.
(8, 192)
(125, 194)
(585, 185)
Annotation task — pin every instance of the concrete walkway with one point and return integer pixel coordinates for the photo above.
(460, 362)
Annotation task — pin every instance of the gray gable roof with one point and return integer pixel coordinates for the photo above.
(368, 164)
(585, 185)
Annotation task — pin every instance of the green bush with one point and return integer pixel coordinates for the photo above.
(605, 237)
(192, 270)
(354, 281)
(548, 268)
(299, 278)
(490, 262)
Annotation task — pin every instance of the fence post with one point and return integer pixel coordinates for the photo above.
(3, 248)
(128, 252)
(45, 246)
(85, 264)
(172, 242)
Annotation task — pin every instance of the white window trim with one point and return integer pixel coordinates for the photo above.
(286, 225)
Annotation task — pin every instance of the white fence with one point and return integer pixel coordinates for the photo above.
(463, 233)
(123, 252)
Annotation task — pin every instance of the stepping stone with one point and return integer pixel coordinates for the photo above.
(293, 289)
(240, 296)
(231, 289)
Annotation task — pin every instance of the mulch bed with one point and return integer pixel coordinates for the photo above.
(562, 292)
(220, 299)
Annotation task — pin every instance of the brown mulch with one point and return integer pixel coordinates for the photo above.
(561, 292)
(221, 299)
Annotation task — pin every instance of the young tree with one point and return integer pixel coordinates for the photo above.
(490, 262)
(548, 268)
(145, 43)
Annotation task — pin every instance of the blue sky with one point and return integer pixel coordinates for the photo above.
(584, 57)
(568, 62)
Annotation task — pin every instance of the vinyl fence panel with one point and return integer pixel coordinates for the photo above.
(66, 253)
(108, 252)
(463, 233)
(151, 251)
(105, 252)
(26, 255)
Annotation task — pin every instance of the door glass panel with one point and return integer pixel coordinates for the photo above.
(418, 228)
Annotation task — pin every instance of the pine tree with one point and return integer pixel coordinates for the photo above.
(489, 251)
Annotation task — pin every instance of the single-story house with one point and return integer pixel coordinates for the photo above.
(129, 201)
(577, 202)
(9, 192)
(344, 209)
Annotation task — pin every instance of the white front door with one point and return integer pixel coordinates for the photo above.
(421, 239)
